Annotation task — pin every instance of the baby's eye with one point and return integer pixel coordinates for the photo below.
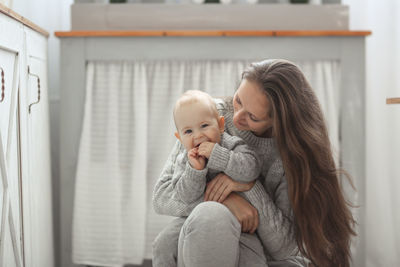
(204, 125)
(188, 132)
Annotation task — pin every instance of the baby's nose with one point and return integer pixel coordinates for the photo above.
(198, 134)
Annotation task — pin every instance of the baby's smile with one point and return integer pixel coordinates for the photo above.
(199, 143)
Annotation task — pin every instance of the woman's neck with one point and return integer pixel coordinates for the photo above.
(267, 134)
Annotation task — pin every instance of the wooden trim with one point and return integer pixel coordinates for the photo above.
(394, 100)
(249, 33)
(5, 10)
(193, 33)
(323, 33)
(108, 33)
(201, 33)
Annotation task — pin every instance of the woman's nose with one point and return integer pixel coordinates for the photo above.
(239, 115)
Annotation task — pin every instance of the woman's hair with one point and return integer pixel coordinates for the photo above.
(323, 222)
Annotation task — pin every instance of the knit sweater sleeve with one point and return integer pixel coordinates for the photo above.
(235, 158)
(180, 187)
(275, 215)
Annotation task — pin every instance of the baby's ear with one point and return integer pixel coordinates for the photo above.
(221, 124)
(177, 136)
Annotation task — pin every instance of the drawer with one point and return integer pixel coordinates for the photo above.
(36, 44)
(11, 33)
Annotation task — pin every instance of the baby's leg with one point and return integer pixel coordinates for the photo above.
(165, 246)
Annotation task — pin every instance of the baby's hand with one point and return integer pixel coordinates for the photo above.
(205, 149)
(197, 161)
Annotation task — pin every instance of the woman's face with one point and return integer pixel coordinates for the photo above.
(251, 109)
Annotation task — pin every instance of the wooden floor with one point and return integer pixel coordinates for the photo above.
(146, 263)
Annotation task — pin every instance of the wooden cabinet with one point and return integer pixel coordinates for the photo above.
(26, 237)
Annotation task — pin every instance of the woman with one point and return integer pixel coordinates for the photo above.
(295, 208)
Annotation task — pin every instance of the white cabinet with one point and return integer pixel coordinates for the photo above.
(26, 237)
(37, 208)
(11, 43)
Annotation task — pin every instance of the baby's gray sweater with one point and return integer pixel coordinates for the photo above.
(231, 156)
(269, 195)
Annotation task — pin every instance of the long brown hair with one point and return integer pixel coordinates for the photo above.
(323, 222)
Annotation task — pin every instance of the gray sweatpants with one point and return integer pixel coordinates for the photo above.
(210, 236)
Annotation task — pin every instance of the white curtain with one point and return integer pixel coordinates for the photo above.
(383, 127)
(324, 77)
(127, 135)
(110, 194)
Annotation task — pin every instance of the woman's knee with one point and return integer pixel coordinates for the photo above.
(209, 237)
(212, 215)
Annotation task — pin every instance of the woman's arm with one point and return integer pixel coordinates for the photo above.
(246, 214)
(180, 187)
(275, 228)
(222, 186)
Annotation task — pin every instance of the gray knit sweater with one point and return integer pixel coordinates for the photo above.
(269, 195)
(187, 185)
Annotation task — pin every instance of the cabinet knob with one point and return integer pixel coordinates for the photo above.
(394, 100)
(2, 85)
(38, 85)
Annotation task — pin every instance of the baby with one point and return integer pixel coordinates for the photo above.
(208, 151)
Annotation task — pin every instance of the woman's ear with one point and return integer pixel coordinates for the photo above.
(221, 124)
(177, 136)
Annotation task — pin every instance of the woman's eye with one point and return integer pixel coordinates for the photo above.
(238, 101)
(188, 132)
(253, 119)
(204, 125)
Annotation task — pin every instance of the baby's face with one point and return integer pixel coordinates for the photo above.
(196, 124)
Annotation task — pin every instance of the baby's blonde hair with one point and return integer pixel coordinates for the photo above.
(193, 96)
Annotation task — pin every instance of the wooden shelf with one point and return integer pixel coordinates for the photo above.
(10, 13)
(394, 100)
(201, 33)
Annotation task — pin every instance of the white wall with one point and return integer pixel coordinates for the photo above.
(383, 127)
(51, 15)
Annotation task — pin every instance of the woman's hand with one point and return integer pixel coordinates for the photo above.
(222, 185)
(246, 214)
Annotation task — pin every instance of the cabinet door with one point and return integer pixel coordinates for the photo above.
(11, 246)
(37, 201)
